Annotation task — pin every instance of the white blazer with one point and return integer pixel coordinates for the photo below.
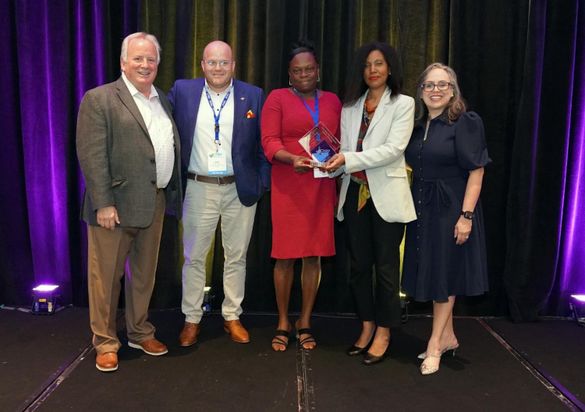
(382, 157)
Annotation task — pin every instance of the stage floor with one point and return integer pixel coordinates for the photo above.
(47, 364)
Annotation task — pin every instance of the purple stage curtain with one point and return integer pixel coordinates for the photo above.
(572, 264)
(58, 51)
(45, 71)
(15, 251)
(545, 255)
(523, 72)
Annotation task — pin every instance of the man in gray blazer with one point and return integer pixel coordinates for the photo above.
(128, 150)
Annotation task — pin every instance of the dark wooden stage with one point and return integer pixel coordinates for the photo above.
(47, 364)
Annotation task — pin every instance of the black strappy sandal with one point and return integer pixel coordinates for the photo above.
(278, 339)
(308, 339)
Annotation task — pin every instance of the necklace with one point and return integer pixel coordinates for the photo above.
(371, 103)
(370, 106)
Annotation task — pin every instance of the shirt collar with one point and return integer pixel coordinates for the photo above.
(222, 93)
(443, 117)
(134, 91)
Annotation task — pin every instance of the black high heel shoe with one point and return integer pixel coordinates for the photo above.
(370, 359)
(356, 350)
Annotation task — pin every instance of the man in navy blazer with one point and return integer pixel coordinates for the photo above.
(225, 174)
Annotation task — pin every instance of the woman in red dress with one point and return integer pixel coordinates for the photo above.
(302, 204)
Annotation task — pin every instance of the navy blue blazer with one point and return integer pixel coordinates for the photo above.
(251, 169)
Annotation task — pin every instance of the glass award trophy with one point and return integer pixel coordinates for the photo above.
(321, 145)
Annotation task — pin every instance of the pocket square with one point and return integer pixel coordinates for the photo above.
(250, 114)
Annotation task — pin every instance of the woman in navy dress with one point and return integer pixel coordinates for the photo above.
(445, 253)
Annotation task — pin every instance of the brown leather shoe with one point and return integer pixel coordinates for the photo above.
(150, 346)
(236, 331)
(106, 362)
(188, 336)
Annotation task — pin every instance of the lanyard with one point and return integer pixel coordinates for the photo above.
(216, 116)
(314, 113)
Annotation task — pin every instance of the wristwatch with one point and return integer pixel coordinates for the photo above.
(467, 214)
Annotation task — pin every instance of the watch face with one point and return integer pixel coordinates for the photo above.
(467, 215)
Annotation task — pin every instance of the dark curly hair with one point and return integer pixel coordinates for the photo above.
(356, 86)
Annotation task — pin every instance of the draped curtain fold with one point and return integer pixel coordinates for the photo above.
(57, 51)
(16, 268)
(571, 265)
(540, 187)
(520, 65)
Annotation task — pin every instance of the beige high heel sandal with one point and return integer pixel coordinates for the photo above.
(453, 348)
(430, 365)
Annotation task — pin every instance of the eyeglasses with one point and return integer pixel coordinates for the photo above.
(221, 63)
(430, 86)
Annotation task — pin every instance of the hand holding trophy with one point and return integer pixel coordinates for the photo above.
(321, 145)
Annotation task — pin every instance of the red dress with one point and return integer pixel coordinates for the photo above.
(302, 205)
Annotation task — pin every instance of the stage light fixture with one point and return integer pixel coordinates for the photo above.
(207, 297)
(577, 305)
(403, 307)
(45, 299)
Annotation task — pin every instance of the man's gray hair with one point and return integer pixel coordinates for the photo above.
(139, 35)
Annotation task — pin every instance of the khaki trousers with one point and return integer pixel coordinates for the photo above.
(204, 204)
(109, 253)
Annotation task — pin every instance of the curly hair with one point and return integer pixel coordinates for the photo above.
(356, 85)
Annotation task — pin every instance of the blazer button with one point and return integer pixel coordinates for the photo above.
(152, 161)
(153, 182)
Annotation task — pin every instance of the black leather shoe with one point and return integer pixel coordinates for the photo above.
(356, 350)
(370, 359)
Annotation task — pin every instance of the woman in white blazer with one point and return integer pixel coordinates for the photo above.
(375, 198)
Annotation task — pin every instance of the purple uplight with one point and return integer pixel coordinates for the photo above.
(47, 138)
(45, 288)
(579, 298)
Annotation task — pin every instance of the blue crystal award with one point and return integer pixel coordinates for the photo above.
(320, 144)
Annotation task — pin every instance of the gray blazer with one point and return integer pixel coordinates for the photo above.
(117, 157)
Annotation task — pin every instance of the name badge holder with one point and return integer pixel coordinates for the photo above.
(217, 161)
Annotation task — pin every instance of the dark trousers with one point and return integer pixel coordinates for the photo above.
(374, 246)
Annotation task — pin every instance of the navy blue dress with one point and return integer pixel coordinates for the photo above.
(434, 266)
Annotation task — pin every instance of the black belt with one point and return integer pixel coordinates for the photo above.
(219, 180)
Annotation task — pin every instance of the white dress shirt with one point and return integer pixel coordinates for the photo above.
(160, 130)
(204, 136)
